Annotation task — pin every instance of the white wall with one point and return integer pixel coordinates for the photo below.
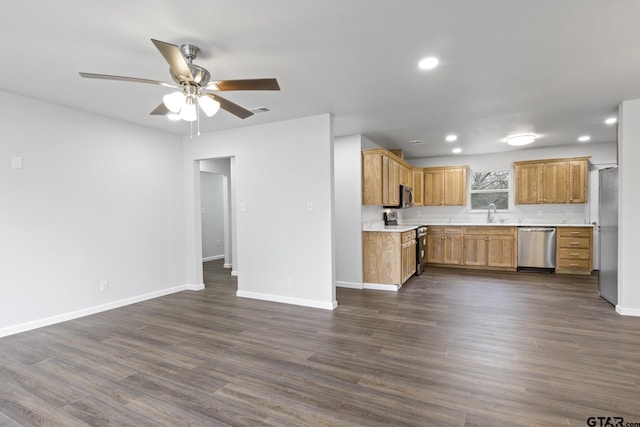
(348, 199)
(96, 200)
(278, 169)
(629, 206)
(212, 211)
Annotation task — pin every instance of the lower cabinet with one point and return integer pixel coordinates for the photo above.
(484, 247)
(444, 245)
(574, 250)
(490, 247)
(388, 257)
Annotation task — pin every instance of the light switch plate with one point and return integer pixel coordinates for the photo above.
(16, 162)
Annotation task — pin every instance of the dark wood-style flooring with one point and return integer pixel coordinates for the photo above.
(453, 348)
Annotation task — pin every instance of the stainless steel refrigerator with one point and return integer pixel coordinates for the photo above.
(609, 235)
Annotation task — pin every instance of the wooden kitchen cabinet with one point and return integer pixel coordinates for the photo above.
(418, 187)
(490, 247)
(389, 258)
(444, 245)
(574, 250)
(445, 186)
(382, 174)
(551, 181)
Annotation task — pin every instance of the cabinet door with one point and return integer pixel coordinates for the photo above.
(418, 187)
(475, 250)
(433, 188)
(528, 183)
(578, 181)
(408, 260)
(555, 179)
(455, 187)
(501, 251)
(434, 248)
(372, 185)
(390, 182)
(452, 250)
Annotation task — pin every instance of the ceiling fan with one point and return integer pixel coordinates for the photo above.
(193, 82)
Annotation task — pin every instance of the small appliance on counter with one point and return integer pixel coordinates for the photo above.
(390, 217)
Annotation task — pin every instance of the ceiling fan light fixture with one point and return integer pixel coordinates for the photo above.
(174, 101)
(209, 105)
(189, 111)
(521, 139)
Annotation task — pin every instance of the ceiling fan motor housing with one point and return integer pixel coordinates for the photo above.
(201, 75)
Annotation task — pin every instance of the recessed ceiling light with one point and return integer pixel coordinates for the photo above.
(452, 138)
(584, 138)
(428, 63)
(611, 120)
(173, 116)
(456, 150)
(521, 139)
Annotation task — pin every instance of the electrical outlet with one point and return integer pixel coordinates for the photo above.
(104, 286)
(290, 282)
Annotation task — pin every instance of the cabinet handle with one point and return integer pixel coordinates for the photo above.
(575, 232)
(574, 265)
(544, 200)
(574, 254)
(571, 199)
(574, 243)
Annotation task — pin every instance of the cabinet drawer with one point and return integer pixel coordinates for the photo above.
(569, 254)
(490, 231)
(574, 264)
(574, 242)
(408, 236)
(435, 229)
(574, 232)
(452, 230)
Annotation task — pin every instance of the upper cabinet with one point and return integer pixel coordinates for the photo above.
(445, 186)
(418, 187)
(382, 175)
(552, 181)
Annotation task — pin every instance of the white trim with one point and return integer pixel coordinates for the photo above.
(194, 286)
(228, 265)
(350, 285)
(380, 287)
(627, 311)
(47, 321)
(288, 300)
(234, 273)
(212, 258)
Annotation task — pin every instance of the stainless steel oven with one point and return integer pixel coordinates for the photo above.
(421, 249)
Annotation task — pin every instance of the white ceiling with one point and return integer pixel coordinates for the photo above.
(555, 68)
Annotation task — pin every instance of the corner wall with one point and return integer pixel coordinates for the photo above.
(284, 249)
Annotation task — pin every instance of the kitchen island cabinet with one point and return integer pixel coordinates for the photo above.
(389, 257)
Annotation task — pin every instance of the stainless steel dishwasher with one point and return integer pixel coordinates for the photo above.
(536, 247)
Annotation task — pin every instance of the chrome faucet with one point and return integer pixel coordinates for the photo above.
(489, 215)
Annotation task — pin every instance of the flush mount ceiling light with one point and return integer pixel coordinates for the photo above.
(456, 150)
(451, 138)
(584, 138)
(611, 120)
(521, 139)
(428, 63)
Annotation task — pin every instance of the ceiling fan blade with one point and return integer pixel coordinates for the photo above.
(249, 84)
(234, 109)
(125, 79)
(160, 110)
(173, 55)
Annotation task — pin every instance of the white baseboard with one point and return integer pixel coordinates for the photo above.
(47, 321)
(380, 287)
(212, 258)
(194, 286)
(350, 285)
(288, 300)
(234, 273)
(627, 311)
(228, 265)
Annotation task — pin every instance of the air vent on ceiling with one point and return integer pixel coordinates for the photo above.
(259, 110)
(416, 142)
